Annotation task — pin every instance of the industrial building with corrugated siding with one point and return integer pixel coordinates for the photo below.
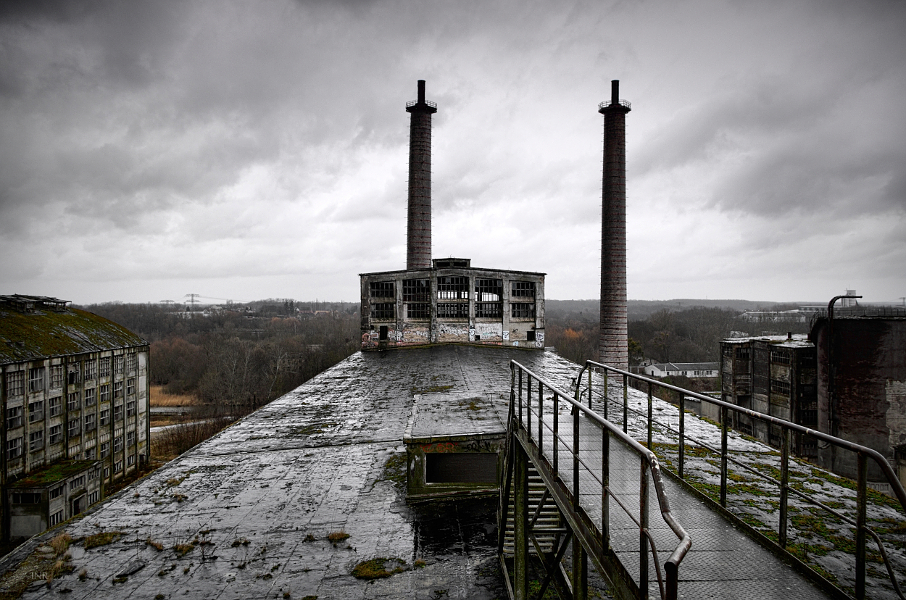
(74, 393)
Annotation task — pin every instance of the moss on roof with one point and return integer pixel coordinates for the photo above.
(54, 473)
(44, 333)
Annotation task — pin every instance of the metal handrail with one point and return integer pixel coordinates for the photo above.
(412, 103)
(863, 453)
(608, 103)
(522, 414)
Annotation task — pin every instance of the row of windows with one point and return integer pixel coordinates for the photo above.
(454, 287)
(457, 310)
(76, 372)
(36, 439)
(14, 417)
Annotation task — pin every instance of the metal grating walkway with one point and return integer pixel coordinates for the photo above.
(722, 562)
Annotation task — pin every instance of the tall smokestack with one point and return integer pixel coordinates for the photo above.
(418, 230)
(613, 347)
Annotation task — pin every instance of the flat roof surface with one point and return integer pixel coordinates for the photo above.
(253, 506)
(448, 416)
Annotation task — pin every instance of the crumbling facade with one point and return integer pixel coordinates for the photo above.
(613, 342)
(74, 390)
(862, 386)
(773, 375)
(452, 303)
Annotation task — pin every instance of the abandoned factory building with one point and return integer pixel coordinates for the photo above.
(452, 302)
(436, 301)
(846, 378)
(74, 393)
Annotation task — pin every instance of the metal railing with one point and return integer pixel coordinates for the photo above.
(622, 102)
(863, 454)
(535, 420)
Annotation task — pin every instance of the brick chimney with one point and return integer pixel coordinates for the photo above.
(418, 230)
(613, 347)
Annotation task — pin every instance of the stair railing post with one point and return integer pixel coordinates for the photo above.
(605, 488)
(576, 460)
(643, 522)
(861, 503)
(723, 455)
(649, 415)
(682, 433)
(784, 483)
(520, 396)
(520, 524)
(555, 446)
(625, 405)
(540, 418)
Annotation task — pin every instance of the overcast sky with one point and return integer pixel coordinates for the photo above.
(245, 150)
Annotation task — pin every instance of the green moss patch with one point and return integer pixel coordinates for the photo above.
(378, 568)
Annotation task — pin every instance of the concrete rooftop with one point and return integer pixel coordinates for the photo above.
(254, 505)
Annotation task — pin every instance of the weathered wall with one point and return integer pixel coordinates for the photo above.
(867, 359)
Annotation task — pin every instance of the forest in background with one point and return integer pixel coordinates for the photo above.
(242, 356)
(664, 331)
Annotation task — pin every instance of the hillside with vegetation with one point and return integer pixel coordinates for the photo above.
(663, 331)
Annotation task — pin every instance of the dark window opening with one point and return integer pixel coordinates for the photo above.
(382, 335)
(382, 310)
(522, 310)
(489, 310)
(418, 310)
(416, 290)
(465, 467)
(458, 310)
(530, 335)
(523, 289)
(382, 289)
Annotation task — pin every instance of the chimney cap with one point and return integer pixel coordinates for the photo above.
(421, 105)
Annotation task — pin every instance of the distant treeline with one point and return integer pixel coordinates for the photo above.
(690, 334)
(243, 356)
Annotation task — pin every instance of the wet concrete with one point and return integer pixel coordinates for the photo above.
(249, 513)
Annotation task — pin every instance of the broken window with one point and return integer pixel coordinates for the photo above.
(416, 290)
(780, 357)
(104, 368)
(523, 289)
(488, 290)
(418, 310)
(56, 377)
(91, 369)
(382, 310)
(780, 387)
(488, 310)
(73, 401)
(13, 448)
(15, 383)
(90, 397)
(36, 379)
(457, 310)
(13, 417)
(382, 289)
(55, 406)
(56, 434)
(522, 310)
(36, 440)
(453, 288)
(36, 411)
